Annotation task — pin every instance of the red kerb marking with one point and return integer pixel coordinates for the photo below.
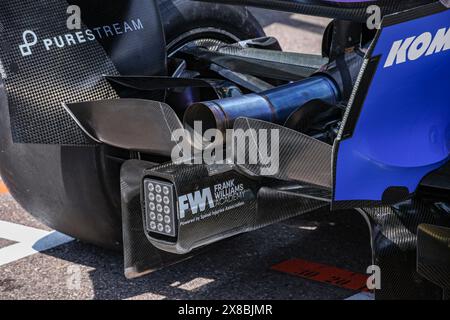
(323, 273)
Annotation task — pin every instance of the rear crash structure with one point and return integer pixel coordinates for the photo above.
(355, 131)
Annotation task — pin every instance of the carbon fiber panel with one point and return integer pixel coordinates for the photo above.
(288, 204)
(261, 63)
(301, 158)
(227, 216)
(37, 84)
(394, 242)
(130, 124)
(433, 254)
(211, 208)
(140, 256)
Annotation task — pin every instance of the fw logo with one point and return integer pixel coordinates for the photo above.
(196, 202)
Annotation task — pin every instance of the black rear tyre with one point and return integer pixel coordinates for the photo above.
(186, 20)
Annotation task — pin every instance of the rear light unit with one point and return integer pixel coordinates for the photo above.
(160, 214)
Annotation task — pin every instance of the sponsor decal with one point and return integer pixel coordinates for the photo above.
(195, 202)
(32, 40)
(414, 48)
(222, 197)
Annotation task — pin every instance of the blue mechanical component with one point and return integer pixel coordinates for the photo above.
(274, 105)
(402, 132)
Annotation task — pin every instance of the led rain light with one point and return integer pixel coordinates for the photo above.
(159, 207)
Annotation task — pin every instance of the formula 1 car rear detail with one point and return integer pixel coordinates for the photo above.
(219, 132)
(63, 177)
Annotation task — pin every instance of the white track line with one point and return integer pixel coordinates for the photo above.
(29, 241)
(19, 233)
(362, 296)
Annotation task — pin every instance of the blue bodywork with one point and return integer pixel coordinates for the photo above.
(403, 129)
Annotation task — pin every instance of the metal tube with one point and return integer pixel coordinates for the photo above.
(274, 105)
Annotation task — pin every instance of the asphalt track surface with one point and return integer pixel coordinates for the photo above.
(38, 263)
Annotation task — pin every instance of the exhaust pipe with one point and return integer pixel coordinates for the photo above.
(333, 83)
(274, 105)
